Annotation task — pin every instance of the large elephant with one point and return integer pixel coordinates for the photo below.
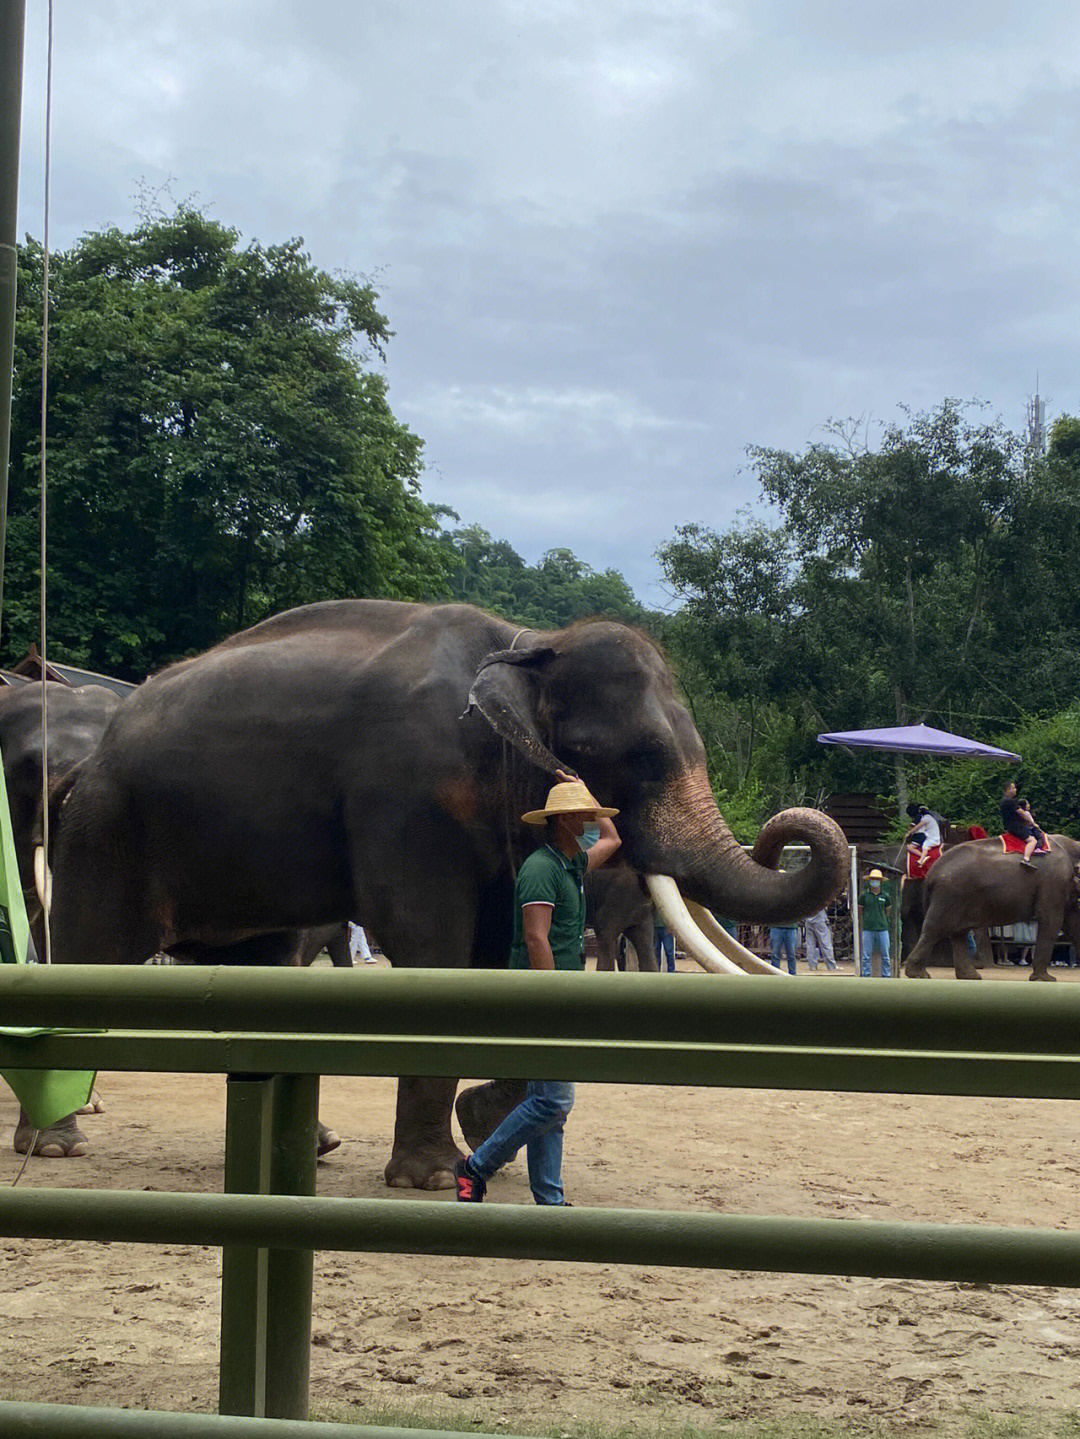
(977, 885)
(77, 718)
(368, 757)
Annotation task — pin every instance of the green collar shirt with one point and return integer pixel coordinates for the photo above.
(550, 877)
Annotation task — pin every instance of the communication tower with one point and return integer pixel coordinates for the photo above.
(1036, 422)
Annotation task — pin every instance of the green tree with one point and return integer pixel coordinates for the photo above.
(560, 589)
(218, 446)
(883, 594)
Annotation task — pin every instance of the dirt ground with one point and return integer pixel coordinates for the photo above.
(530, 1344)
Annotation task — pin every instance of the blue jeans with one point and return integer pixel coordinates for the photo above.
(537, 1123)
(784, 937)
(875, 939)
(665, 946)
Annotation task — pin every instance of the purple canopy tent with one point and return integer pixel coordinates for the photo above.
(911, 739)
(917, 739)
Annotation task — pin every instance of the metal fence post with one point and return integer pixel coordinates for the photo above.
(290, 1272)
(242, 1379)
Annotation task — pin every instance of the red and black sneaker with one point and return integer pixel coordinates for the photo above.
(470, 1189)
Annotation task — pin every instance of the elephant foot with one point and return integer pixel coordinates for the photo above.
(1044, 975)
(95, 1106)
(422, 1171)
(481, 1109)
(326, 1140)
(968, 974)
(916, 971)
(63, 1140)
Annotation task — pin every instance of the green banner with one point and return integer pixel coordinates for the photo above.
(47, 1095)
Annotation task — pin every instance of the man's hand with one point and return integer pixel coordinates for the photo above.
(565, 777)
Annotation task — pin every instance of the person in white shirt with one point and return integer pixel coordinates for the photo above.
(925, 832)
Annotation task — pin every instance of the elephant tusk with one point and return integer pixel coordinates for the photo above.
(42, 878)
(715, 932)
(670, 903)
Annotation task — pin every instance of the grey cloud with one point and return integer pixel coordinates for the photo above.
(618, 243)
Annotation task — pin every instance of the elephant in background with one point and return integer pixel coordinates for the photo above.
(913, 900)
(372, 758)
(977, 885)
(618, 903)
(77, 718)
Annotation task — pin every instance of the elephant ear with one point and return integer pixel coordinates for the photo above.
(505, 691)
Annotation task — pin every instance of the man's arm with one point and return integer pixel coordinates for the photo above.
(536, 929)
(605, 846)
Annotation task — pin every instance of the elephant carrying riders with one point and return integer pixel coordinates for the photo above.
(549, 933)
(923, 840)
(1018, 821)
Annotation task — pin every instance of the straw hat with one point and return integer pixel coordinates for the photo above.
(568, 797)
(875, 874)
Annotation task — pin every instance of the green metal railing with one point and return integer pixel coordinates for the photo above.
(272, 1032)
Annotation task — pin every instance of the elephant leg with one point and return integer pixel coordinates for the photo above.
(984, 949)
(607, 950)
(911, 896)
(642, 936)
(424, 1151)
(337, 947)
(1049, 929)
(915, 965)
(453, 921)
(62, 1140)
(482, 1108)
(963, 958)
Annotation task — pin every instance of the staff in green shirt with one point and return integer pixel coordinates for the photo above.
(549, 933)
(876, 905)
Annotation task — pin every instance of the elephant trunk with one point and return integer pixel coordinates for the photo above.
(683, 834)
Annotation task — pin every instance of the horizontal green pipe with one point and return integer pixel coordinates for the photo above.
(67, 1421)
(1015, 1076)
(977, 1254)
(701, 1009)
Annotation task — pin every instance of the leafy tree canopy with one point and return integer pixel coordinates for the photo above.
(218, 446)
(927, 576)
(548, 595)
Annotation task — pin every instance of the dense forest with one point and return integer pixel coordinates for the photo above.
(221, 446)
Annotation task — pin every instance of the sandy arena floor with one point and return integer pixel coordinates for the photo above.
(530, 1344)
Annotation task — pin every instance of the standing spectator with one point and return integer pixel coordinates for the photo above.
(784, 938)
(665, 945)
(358, 944)
(819, 941)
(876, 906)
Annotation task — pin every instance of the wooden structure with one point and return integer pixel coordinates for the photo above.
(30, 667)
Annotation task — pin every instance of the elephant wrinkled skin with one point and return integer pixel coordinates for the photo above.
(372, 758)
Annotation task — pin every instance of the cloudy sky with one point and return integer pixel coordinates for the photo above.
(618, 242)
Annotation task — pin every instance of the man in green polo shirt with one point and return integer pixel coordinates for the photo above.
(549, 933)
